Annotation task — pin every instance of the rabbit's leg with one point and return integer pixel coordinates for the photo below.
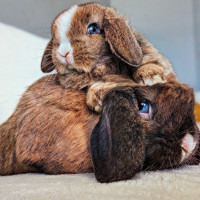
(98, 90)
(9, 160)
(96, 94)
(154, 68)
(150, 74)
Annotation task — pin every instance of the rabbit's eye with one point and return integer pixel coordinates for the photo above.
(143, 107)
(93, 29)
(145, 110)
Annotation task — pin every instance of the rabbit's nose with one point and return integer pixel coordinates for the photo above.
(64, 55)
(188, 144)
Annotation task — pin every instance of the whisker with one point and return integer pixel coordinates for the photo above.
(48, 63)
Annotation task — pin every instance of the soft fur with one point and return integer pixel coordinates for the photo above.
(116, 50)
(51, 127)
(47, 132)
(123, 142)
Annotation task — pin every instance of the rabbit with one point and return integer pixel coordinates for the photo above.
(144, 128)
(90, 41)
(50, 130)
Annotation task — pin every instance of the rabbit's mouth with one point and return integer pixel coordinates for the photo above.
(188, 145)
(67, 59)
(67, 64)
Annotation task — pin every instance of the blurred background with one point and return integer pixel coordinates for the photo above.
(172, 26)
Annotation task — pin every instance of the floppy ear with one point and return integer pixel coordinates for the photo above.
(121, 39)
(47, 63)
(117, 141)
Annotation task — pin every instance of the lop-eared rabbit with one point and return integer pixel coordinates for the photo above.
(140, 127)
(90, 43)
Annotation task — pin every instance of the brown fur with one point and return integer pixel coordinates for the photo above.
(47, 131)
(125, 142)
(51, 126)
(98, 90)
(117, 50)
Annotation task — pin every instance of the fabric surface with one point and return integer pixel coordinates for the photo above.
(182, 183)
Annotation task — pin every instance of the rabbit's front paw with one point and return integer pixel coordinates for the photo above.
(94, 96)
(150, 74)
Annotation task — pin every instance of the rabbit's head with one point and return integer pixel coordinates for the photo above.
(87, 36)
(172, 135)
(144, 127)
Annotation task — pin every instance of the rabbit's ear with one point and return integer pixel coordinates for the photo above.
(121, 39)
(117, 141)
(47, 63)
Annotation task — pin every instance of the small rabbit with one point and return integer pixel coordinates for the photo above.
(90, 41)
(144, 128)
(51, 127)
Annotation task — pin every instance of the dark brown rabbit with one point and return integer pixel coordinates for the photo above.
(144, 128)
(90, 41)
(50, 130)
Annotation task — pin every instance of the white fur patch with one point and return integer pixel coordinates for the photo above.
(64, 23)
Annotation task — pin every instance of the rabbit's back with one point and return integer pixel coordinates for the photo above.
(49, 131)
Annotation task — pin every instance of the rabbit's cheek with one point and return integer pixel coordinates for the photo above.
(82, 58)
(61, 68)
(188, 144)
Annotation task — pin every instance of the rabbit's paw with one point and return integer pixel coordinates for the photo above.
(150, 74)
(96, 94)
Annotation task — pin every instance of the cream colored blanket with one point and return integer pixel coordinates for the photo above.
(182, 183)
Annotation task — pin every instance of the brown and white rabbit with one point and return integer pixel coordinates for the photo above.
(90, 41)
(51, 127)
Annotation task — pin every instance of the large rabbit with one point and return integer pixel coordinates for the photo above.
(51, 127)
(144, 128)
(90, 41)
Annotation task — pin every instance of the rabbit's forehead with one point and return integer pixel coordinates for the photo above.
(87, 14)
(75, 20)
(63, 23)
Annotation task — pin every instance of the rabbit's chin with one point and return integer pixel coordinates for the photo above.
(188, 145)
(65, 66)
